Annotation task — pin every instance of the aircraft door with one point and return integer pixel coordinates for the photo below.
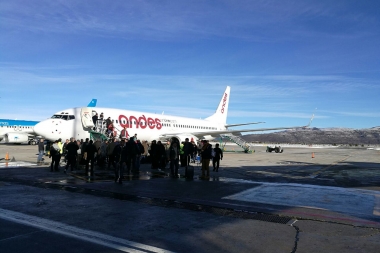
(86, 117)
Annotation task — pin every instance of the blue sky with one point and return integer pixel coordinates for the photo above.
(284, 60)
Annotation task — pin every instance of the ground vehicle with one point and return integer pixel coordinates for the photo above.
(276, 149)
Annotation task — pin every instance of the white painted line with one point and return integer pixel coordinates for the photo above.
(16, 164)
(82, 234)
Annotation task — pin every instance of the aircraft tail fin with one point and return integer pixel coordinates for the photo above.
(92, 103)
(220, 115)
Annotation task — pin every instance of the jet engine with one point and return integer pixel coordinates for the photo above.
(181, 138)
(16, 138)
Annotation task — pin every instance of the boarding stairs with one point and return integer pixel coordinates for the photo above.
(100, 131)
(239, 141)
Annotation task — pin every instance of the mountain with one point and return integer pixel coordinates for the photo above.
(315, 135)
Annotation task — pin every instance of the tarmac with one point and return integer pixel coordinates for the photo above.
(306, 199)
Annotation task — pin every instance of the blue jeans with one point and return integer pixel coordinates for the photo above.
(40, 155)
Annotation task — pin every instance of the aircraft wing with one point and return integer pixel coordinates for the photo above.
(244, 124)
(238, 131)
(212, 133)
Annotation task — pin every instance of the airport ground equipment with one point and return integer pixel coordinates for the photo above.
(239, 141)
(276, 149)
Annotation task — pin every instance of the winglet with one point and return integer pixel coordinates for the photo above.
(312, 117)
(92, 103)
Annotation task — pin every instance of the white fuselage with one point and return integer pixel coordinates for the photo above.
(16, 132)
(147, 126)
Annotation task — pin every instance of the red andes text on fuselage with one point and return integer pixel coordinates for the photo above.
(224, 102)
(141, 122)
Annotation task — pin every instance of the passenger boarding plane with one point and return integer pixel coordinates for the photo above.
(20, 131)
(147, 126)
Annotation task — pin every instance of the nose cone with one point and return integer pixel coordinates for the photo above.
(53, 129)
(42, 128)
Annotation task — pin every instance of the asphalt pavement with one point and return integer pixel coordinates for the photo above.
(302, 200)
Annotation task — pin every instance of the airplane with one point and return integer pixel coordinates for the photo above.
(148, 126)
(21, 131)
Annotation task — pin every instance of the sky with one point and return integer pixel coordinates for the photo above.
(284, 60)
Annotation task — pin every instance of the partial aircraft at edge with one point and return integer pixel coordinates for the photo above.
(21, 131)
(147, 126)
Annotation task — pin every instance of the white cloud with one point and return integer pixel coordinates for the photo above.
(163, 20)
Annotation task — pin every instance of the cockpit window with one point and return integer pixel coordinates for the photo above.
(64, 117)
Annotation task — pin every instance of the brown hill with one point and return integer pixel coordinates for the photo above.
(320, 136)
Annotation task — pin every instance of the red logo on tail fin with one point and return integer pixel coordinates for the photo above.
(224, 102)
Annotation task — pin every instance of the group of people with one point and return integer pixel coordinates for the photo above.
(182, 154)
(126, 155)
(208, 153)
(108, 125)
(77, 153)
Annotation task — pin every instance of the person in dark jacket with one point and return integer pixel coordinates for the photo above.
(174, 155)
(218, 155)
(154, 155)
(95, 119)
(55, 156)
(161, 155)
(89, 155)
(133, 150)
(140, 151)
(206, 156)
(120, 156)
(64, 150)
(109, 151)
(188, 150)
(72, 149)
